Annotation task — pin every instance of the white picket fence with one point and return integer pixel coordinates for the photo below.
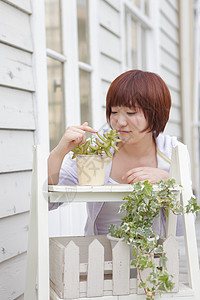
(88, 267)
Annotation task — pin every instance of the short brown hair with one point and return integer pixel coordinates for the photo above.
(144, 90)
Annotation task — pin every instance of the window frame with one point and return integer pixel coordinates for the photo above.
(93, 67)
(61, 58)
(84, 66)
(150, 24)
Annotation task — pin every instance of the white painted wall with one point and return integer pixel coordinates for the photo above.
(20, 95)
(169, 45)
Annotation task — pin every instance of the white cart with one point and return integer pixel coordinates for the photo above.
(37, 276)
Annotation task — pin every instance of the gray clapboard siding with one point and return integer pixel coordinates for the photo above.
(12, 274)
(175, 114)
(24, 5)
(13, 235)
(109, 44)
(16, 109)
(170, 13)
(170, 79)
(13, 198)
(104, 89)
(20, 297)
(174, 129)
(16, 68)
(109, 17)
(168, 28)
(174, 4)
(170, 62)
(176, 98)
(109, 68)
(168, 45)
(104, 121)
(16, 147)
(17, 32)
(17, 124)
(114, 3)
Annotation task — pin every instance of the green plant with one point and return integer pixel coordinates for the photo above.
(142, 205)
(98, 146)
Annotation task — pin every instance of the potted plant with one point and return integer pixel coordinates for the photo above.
(142, 205)
(93, 156)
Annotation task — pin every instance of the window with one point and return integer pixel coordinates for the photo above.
(84, 61)
(53, 25)
(136, 26)
(85, 97)
(58, 50)
(56, 101)
(55, 61)
(143, 5)
(83, 31)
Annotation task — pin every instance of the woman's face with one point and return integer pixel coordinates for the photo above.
(129, 122)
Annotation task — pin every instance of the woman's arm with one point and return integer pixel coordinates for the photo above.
(73, 136)
(153, 175)
(54, 164)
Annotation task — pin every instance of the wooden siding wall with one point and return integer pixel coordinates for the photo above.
(170, 61)
(110, 45)
(17, 127)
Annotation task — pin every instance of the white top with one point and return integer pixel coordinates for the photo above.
(68, 175)
(109, 214)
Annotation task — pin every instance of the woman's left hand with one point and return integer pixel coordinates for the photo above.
(153, 175)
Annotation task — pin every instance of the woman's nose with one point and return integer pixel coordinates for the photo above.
(122, 120)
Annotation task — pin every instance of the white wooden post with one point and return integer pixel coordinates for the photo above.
(170, 247)
(42, 217)
(182, 175)
(38, 245)
(188, 220)
(172, 218)
(31, 266)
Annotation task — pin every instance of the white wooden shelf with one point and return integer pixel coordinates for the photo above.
(184, 293)
(89, 188)
(78, 193)
(38, 244)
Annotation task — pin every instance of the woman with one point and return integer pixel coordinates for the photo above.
(137, 105)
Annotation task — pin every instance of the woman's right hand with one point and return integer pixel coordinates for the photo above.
(73, 136)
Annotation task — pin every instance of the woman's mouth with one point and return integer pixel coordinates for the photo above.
(123, 131)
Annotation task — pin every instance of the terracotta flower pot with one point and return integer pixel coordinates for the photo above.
(91, 169)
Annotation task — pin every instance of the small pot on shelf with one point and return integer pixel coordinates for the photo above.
(115, 240)
(91, 169)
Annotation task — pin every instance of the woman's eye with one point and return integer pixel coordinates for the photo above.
(131, 113)
(113, 112)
